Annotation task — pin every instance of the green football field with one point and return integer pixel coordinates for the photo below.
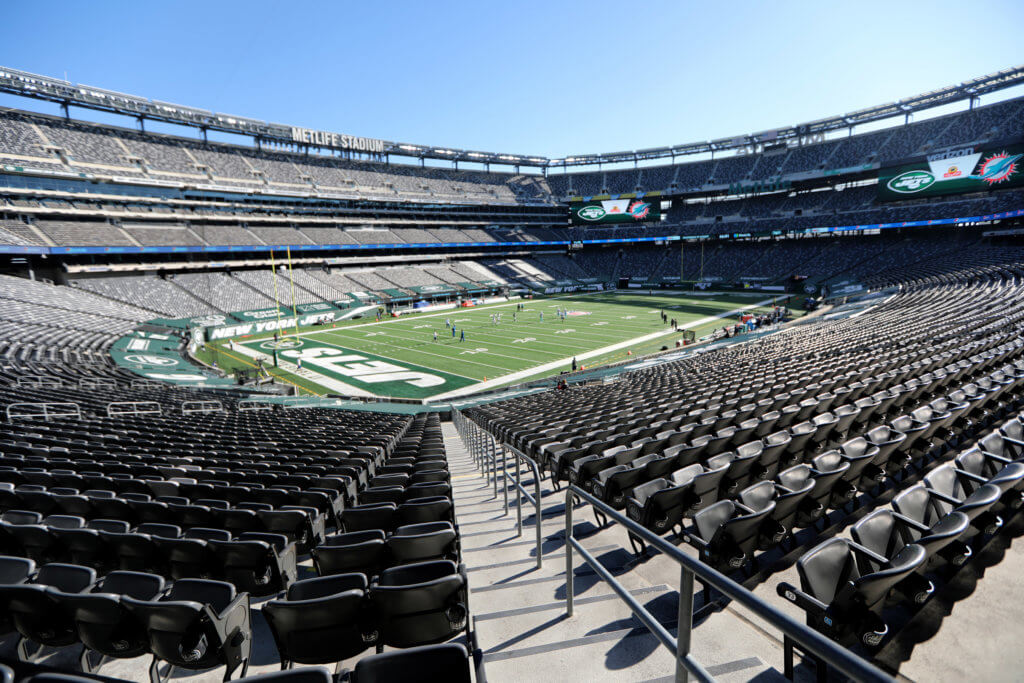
(399, 357)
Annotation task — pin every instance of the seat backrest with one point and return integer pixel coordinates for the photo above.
(878, 532)
(116, 526)
(856, 447)
(829, 461)
(67, 578)
(973, 461)
(217, 594)
(750, 449)
(915, 503)
(204, 534)
(795, 478)
(64, 521)
(710, 519)
(943, 479)
(375, 516)
(759, 496)
(138, 585)
(21, 517)
(825, 568)
(156, 529)
(686, 475)
(323, 586)
(420, 572)
(425, 664)
(14, 570)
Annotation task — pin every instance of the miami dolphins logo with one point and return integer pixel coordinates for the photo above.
(998, 167)
(639, 210)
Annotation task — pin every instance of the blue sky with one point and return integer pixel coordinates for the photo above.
(548, 78)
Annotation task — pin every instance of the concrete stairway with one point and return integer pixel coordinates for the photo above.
(519, 608)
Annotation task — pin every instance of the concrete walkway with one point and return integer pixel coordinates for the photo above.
(520, 609)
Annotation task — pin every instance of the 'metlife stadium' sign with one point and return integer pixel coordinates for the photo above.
(323, 138)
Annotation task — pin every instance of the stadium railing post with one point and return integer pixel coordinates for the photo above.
(521, 459)
(519, 499)
(569, 590)
(504, 473)
(494, 463)
(685, 623)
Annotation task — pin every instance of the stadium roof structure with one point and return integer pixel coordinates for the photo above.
(26, 84)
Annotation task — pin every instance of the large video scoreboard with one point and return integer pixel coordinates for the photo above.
(955, 171)
(605, 211)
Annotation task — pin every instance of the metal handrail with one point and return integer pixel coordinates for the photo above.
(122, 408)
(484, 447)
(811, 641)
(97, 383)
(521, 492)
(251, 404)
(44, 410)
(210, 406)
(39, 382)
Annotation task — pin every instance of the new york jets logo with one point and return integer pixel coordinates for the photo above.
(281, 344)
(208, 320)
(144, 359)
(911, 181)
(591, 213)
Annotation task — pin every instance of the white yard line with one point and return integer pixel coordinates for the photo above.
(554, 365)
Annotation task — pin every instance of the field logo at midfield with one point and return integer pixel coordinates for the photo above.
(911, 182)
(360, 368)
(579, 313)
(281, 344)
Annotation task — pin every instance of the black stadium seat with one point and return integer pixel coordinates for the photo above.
(420, 603)
(322, 620)
(103, 624)
(842, 596)
(198, 624)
